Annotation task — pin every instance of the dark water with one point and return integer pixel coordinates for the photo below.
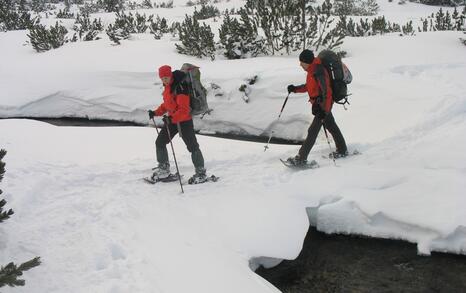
(339, 263)
(73, 121)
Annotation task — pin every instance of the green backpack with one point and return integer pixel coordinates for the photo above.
(197, 92)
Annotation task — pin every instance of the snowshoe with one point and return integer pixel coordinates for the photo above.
(161, 171)
(297, 163)
(202, 178)
(169, 178)
(338, 155)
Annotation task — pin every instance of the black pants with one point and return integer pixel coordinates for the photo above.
(313, 131)
(189, 138)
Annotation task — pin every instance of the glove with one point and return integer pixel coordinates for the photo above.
(167, 120)
(318, 111)
(151, 114)
(291, 88)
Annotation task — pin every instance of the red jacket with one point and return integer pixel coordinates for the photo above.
(178, 107)
(317, 76)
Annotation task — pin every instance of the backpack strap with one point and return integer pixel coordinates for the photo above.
(319, 75)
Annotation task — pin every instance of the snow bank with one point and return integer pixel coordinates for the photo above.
(81, 205)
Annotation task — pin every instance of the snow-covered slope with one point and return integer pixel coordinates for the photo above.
(98, 80)
(81, 205)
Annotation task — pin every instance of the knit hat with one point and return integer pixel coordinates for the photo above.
(306, 56)
(165, 71)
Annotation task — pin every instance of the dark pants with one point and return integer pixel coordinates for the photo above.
(189, 138)
(313, 131)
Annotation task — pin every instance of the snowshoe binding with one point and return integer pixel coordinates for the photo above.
(298, 163)
(201, 177)
(340, 155)
(169, 178)
(162, 174)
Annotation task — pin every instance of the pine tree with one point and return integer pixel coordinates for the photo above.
(379, 25)
(116, 34)
(15, 18)
(321, 34)
(344, 7)
(196, 40)
(239, 38)
(87, 30)
(38, 6)
(43, 39)
(10, 273)
(111, 5)
(459, 19)
(368, 7)
(229, 40)
(440, 20)
(448, 22)
(206, 12)
(159, 27)
(408, 28)
(147, 4)
(281, 22)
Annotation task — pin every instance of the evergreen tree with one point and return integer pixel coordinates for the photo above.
(440, 21)
(280, 21)
(43, 39)
(87, 30)
(206, 11)
(65, 14)
(364, 28)
(111, 5)
(116, 34)
(459, 19)
(379, 25)
(147, 4)
(321, 34)
(408, 28)
(344, 7)
(127, 24)
(3, 214)
(38, 5)
(15, 18)
(368, 7)
(159, 27)
(196, 40)
(229, 40)
(239, 39)
(10, 273)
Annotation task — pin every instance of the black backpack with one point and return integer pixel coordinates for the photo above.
(340, 76)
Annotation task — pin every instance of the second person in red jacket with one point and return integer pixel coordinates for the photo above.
(320, 96)
(176, 105)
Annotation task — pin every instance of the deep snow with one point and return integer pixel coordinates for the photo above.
(80, 204)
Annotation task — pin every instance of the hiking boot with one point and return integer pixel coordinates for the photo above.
(296, 161)
(199, 177)
(338, 155)
(161, 171)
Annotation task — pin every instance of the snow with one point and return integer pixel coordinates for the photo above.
(81, 205)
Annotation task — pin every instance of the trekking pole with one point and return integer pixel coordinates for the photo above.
(328, 141)
(155, 125)
(174, 156)
(281, 111)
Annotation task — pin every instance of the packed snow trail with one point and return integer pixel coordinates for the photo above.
(79, 204)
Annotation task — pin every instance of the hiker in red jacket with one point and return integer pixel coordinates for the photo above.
(176, 107)
(320, 95)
